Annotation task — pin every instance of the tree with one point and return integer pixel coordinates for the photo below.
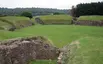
(56, 13)
(34, 11)
(27, 14)
(73, 11)
(95, 8)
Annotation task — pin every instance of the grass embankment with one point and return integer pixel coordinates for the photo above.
(90, 38)
(90, 18)
(56, 19)
(18, 21)
(4, 25)
(14, 18)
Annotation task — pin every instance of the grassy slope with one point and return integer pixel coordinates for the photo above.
(90, 18)
(90, 38)
(16, 20)
(56, 18)
(4, 24)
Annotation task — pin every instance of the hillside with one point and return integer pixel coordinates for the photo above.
(14, 21)
(34, 11)
(56, 19)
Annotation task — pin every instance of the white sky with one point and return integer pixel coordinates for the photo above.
(60, 4)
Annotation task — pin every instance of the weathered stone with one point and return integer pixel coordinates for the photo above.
(21, 50)
(12, 28)
(39, 21)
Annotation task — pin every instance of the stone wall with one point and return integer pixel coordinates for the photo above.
(67, 53)
(39, 21)
(89, 23)
(22, 50)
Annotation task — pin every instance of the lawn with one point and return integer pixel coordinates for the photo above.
(95, 18)
(90, 38)
(58, 34)
(90, 51)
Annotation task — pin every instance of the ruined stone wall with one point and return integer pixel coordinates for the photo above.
(22, 50)
(39, 21)
(89, 23)
(68, 53)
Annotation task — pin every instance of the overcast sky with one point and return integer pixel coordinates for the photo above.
(60, 4)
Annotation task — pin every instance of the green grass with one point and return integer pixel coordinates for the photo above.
(95, 18)
(90, 38)
(15, 20)
(90, 51)
(4, 24)
(59, 34)
(44, 62)
(49, 19)
(56, 17)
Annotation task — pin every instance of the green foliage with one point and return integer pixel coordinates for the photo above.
(73, 11)
(89, 9)
(34, 11)
(27, 14)
(57, 13)
(95, 18)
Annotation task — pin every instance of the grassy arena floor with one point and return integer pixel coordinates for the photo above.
(59, 34)
(90, 38)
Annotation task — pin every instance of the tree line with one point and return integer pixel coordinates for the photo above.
(34, 11)
(87, 9)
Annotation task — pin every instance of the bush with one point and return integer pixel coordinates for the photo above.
(57, 13)
(27, 14)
